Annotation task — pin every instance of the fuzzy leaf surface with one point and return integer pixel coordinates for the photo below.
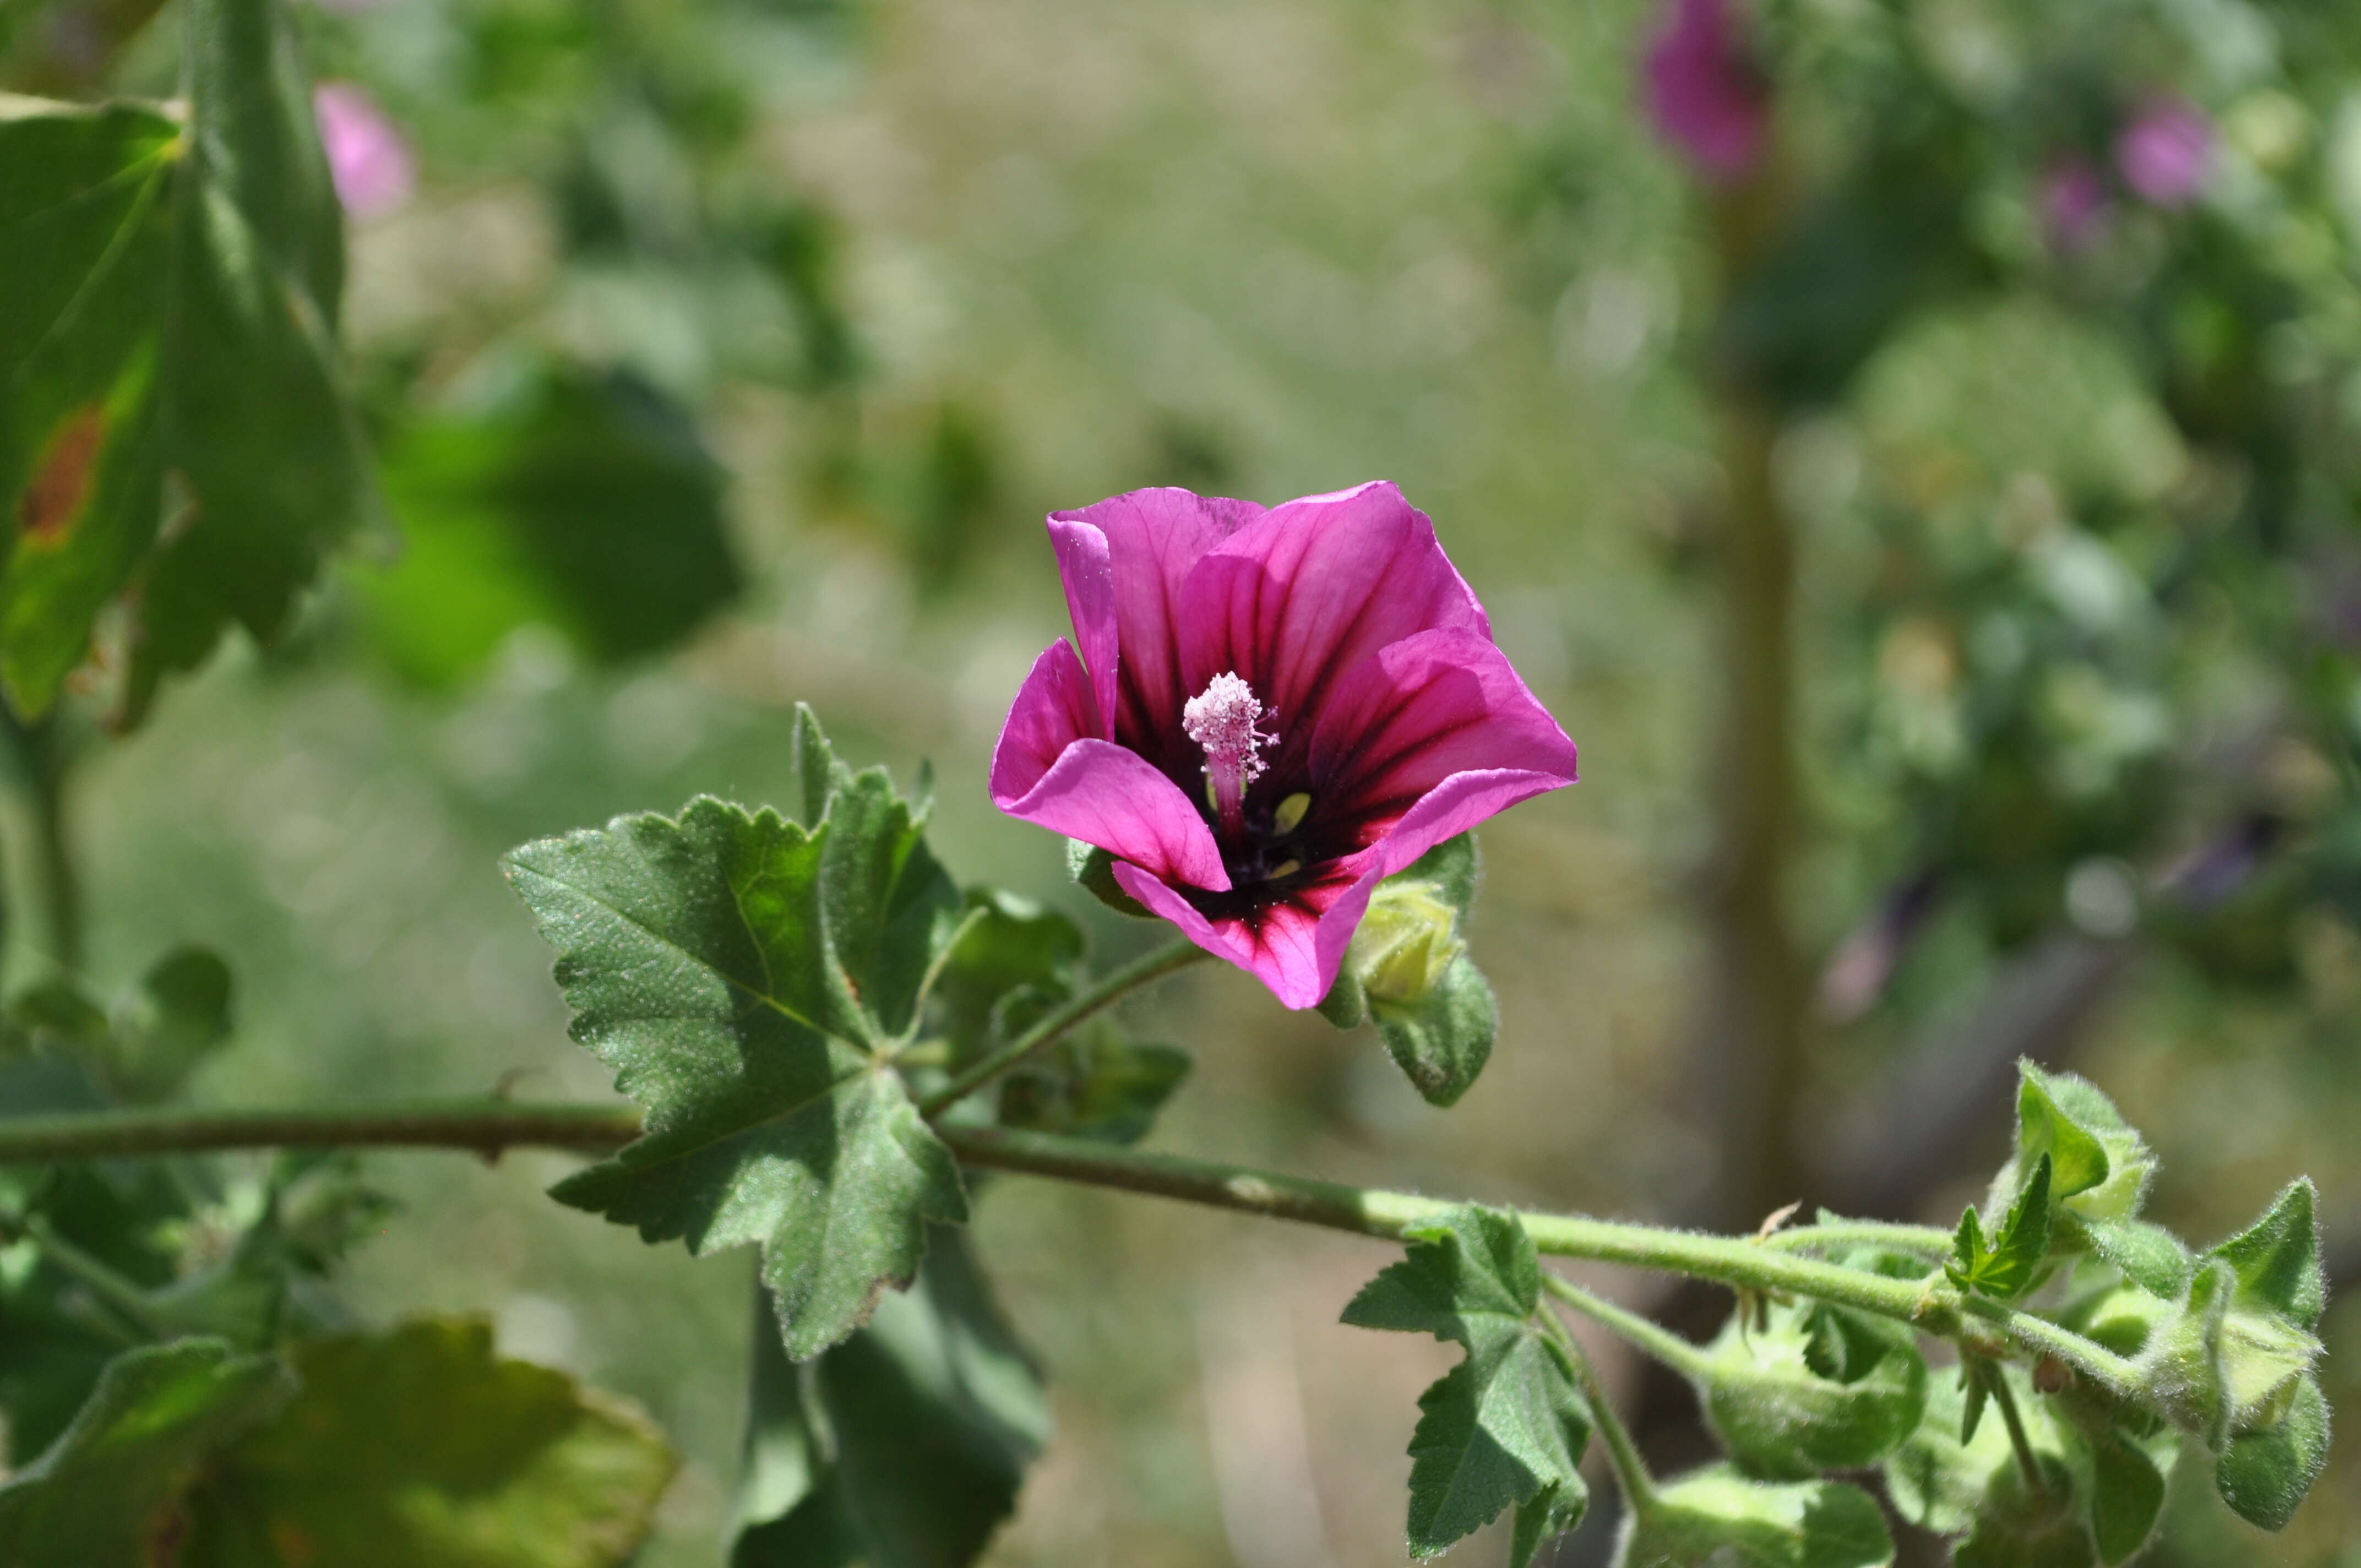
(2277, 1259)
(1815, 1389)
(1507, 1426)
(1441, 1040)
(745, 976)
(2004, 1267)
(2100, 1165)
(2264, 1475)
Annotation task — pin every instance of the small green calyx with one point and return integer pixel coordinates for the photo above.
(1406, 943)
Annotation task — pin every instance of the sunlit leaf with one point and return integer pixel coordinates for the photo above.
(111, 1491)
(745, 975)
(419, 1445)
(1508, 1425)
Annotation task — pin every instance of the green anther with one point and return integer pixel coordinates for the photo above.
(1290, 814)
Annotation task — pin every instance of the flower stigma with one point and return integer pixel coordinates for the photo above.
(1221, 719)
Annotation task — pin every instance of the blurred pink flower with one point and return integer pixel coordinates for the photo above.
(2073, 202)
(1705, 95)
(2165, 153)
(1264, 713)
(367, 155)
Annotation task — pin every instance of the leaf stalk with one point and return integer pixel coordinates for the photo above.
(1111, 988)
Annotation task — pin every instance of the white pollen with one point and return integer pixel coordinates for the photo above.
(1221, 719)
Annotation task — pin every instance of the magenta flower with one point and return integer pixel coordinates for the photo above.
(1269, 713)
(367, 158)
(1705, 94)
(2166, 152)
(2074, 206)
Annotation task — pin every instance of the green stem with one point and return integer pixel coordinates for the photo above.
(491, 1126)
(46, 761)
(1926, 1240)
(1623, 1453)
(1648, 1335)
(113, 1292)
(486, 1125)
(942, 961)
(1376, 1213)
(1996, 1383)
(1111, 989)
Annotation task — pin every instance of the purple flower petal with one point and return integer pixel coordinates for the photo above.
(2073, 202)
(1094, 790)
(1054, 708)
(1151, 540)
(2166, 152)
(1301, 702)
(1419, 711)
(1084, 565)
(1310, 589)
(1704, 94)
(1294, 947)
(367, 158)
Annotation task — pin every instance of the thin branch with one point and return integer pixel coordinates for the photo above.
(1645, 1332)
(485, 1126)
(1623, 1453)
(1111, 988)
(491, 1126)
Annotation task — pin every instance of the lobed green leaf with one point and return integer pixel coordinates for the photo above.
(2005, 1266)
(750, 978)
(1505, 1428)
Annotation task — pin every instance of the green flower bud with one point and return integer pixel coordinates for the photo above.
(1815, 1389)
(2220, 1368)
(1405, 942)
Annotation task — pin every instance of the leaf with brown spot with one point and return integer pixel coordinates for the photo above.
(51, 502)
(169, 295)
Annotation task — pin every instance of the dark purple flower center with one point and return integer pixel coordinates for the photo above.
(1264, 823)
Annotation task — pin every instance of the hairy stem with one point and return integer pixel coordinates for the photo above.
(490, 1126)
(1111, 988)
(1927, 1241)
(1623, 1453)
(44, 753)
(1645, 1332)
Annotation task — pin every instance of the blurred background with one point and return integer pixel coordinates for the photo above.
(1912, 445)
